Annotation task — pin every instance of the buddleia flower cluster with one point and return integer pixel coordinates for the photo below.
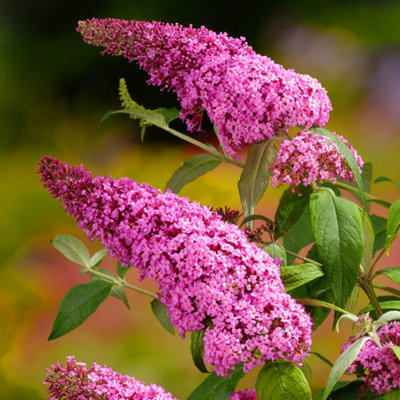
(247, 96)
(209, 276)
(308, 158)
(76, 381)
(379, 366)
(244, 395)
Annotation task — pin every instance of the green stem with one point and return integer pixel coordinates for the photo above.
(121, 282)
(140, 290)
(371, 270)
(320, 303)
(203, 146)
(366, 285)
(387, 289)
(302, 258)
(368, 196)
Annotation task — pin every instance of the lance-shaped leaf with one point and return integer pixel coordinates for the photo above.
(342, 363)
(396, 350)
(379, 226)
(197, 350)
(216, 387)
(385, 302)
(338, 233)
(117, 291)
(366, 177)
(296, 275)
(97, 257)
(121, 271)
(393, 223)
(392, 272)
(388, 316)
(191, 169)
(161, 313)
(369, 238)
(348, 390)
(276, 250)
(78, 304)
(73, 249)
(169, 114)
(386, 179)
(255, 176)
(299, 236)
(349, 157)
(146, 116)
(282, 380)
(291, 208)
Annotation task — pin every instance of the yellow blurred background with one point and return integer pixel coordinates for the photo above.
(54, 90)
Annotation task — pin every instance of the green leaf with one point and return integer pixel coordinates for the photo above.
(119, 293)
(299, 236)
(256, 217)
(97, 257)
(379, 226)
(348, 390)
(393, 223)
(169, 114)
(296, 275)
(255, 176)
(369, 238)
(393, 273)
(393, 395)
(386, 179)
(197, 350)
(396, 350)
(388, 316)
(161, 313)
(307, 371)
(349, 157)
(78, 304)
(121, 271)
(73, 249)
(216, 387)
(191, 169)
(147, 116)
(282, 380)
(342, 363)
(387, 303)
(366, 177)
(353, 298)
(338, 233)
(320, 303)
(276, 250)
(291, 208)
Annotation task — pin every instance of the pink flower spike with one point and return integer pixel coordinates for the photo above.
(209, 276)
(75, 381)
(246, 95)
(379, 367)
(308, 157)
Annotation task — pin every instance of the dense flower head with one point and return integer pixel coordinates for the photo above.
(244, 395)
(76, 382)
(309, 157)
(209, 276)
(247, 96)
(379, 367)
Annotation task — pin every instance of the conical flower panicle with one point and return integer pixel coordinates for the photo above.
(205, 268)
(379, 367)
(76, 381)
(247, 96)
(309, 157)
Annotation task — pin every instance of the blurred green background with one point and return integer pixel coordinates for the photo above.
(54, 90)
